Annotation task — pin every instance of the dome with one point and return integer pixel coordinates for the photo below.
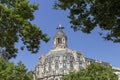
(60, 55)
(60, 34)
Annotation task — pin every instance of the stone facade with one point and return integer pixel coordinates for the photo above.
(60, 60)
(57, 63)
(117, 71)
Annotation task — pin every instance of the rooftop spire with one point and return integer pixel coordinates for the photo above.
(60, 27)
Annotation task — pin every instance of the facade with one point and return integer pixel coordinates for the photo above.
(60, 60)
(117, 71)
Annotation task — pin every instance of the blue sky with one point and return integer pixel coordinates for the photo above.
(92, 45)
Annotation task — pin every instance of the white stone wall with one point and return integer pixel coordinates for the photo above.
(117, 71)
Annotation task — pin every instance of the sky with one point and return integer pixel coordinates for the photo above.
(91, 45)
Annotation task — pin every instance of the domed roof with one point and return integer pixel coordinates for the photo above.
(61, 55)
(60, 33)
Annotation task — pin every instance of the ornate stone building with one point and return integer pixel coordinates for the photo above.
(60, 60)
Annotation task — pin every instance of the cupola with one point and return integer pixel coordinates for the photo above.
(60, 39)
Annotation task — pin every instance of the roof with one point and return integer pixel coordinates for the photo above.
(60, 34)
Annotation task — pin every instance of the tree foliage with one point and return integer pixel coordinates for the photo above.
(85, 15)
(15, 25)
(9, 71)
(94, 71)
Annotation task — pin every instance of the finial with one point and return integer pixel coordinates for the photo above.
(60, 27)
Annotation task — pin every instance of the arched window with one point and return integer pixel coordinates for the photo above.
(56, 65)
(59, 40)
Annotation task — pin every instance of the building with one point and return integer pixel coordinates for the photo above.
(61, 60)
(117, 71)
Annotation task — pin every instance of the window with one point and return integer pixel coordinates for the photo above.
(52, 58)
(71, 64)
(59, 40)
(57, 57)
(37, 71)
(56, 65)
(80, 65)
(64, 65)
(49, 67)
(64, 71)
(78, 58)
(44, 68)
(71, 58)
(64, 57)
(46, 60)
(56, 79)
